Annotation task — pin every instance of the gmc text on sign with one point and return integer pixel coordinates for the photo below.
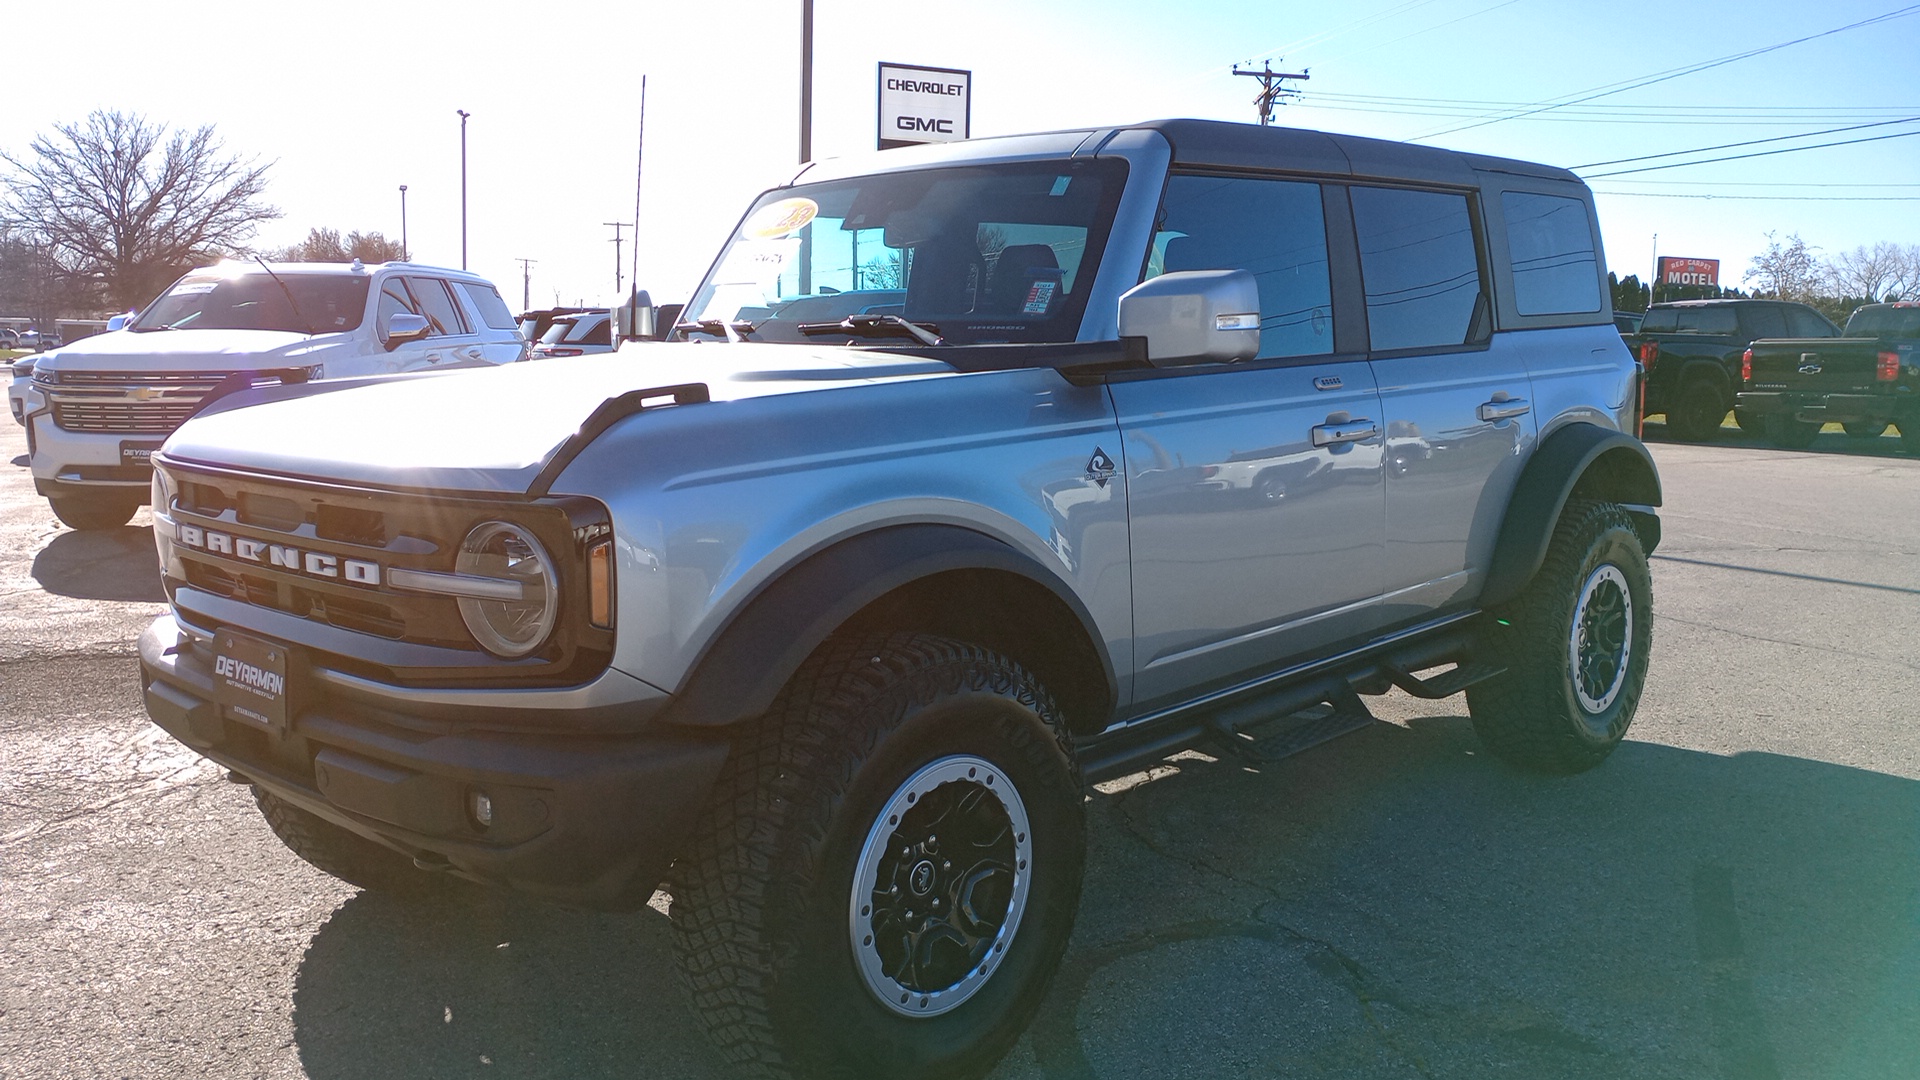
(923, 105)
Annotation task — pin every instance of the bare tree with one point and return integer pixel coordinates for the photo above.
(1785, 271)
(119, 202)
(1870, 274)
(325, 245)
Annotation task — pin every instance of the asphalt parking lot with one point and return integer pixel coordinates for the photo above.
(1735, 894)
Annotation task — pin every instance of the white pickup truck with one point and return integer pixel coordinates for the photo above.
(96, 410)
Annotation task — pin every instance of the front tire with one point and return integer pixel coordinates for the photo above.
(1790, 434)
(1865, 429)
(92, 510)
(890, 870)
(1576, 643)
(1910, 434)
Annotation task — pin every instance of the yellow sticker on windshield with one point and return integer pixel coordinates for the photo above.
(778, 219)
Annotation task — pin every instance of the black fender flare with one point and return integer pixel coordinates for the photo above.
(1616, 467)
(1709, 369)
(746, 665)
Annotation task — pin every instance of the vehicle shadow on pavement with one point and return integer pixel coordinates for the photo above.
(102, 564)
(1886, 444)
(1393, 904)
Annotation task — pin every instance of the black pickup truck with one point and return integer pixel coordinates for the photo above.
(1864, 380)
(1691, 351)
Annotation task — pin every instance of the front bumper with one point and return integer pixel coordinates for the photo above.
(67, 460)
(1827, 408)
(584, 817)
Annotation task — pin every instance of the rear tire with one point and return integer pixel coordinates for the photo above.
(1865, 429)
(824, 927)
(90, 510)
(1910, 434)
(348, 856)
(1698, 412)
(1576, 642)
(1790, 434)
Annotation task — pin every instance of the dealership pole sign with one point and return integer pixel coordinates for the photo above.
(1678, 271)
(923, 105)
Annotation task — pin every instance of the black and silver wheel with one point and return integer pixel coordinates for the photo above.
(889, 873)
(1698, 412)
(348, 856)
(89, 510)
(1576, 643)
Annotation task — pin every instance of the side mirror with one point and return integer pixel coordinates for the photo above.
(634, 320)
(1194, 317)
(403, 327)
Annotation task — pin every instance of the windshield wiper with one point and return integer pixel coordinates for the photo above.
(311, 332)
(732, 330)
(151, 329)
(865, 325)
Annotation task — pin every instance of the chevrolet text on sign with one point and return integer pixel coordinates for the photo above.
(923, 105)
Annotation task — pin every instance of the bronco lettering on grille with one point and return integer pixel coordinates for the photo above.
(279, 556)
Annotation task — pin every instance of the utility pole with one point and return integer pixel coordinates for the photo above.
(1272, 88)
(526, 283)
(403, 223)
(1653, 287)
(617, 264)
(806, 132)
(463, 186)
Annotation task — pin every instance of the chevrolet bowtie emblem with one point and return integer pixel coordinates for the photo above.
(144, 393)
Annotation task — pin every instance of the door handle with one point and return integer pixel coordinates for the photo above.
(1346, 431)
(1504, 408)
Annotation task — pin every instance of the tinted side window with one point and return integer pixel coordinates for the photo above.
(1274, 229)
(1418, 261)
(486, 300)
(436, 305)
(1555, 271)
(1802, 322)
(1763, 320)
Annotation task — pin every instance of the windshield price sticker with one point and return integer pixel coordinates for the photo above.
(779, 219)
(757, 263)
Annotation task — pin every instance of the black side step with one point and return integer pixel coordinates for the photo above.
(1278, 737)
(1445, 684)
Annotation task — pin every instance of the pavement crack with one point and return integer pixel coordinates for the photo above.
(1794, 644)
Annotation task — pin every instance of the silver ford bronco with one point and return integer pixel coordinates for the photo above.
(970, 472)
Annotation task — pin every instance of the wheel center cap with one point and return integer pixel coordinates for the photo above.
(921, 880)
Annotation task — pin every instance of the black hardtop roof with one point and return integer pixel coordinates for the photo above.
(1724, 301)
(1250, 146)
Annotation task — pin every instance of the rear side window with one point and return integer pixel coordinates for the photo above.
(1764, 320)
(1421, 270)
(1803, 322)
(485, 300)
(1695, 320)
(1555, 269)
(1274, 229)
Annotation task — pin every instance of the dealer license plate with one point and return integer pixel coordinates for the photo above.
(250, 680)
(137, 453)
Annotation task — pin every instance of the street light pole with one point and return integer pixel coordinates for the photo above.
(806, 81)
(463, 186)
(403, 223)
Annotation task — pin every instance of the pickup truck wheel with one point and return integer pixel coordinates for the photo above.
(1696, 416)
(91, 510)
(1910, 434)
(351, 858)
(1790, 434)
(1576, 643)
(1865, 429)
(890, 868)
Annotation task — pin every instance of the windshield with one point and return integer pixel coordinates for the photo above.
(1885, 322)
(328, 303)
(991, 253)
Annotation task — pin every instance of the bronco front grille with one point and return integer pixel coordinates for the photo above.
(129, 402)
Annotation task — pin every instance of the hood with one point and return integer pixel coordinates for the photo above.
(189, 350)
(493, 429)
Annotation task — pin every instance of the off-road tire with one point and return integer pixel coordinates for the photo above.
(90, 511)
(1698, 412)
(1789, 433)
(352, 858)
(764, 902)
(1533, 716)
(1865, 429)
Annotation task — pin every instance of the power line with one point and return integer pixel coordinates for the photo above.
(1762, 153)
(1608, 89)
(1749, 142)
(1273, 87)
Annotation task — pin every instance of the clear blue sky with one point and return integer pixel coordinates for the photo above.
(351, 98)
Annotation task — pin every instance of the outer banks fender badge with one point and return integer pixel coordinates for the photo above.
(1100, 467)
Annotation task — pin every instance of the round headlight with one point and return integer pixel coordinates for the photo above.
(509, 627)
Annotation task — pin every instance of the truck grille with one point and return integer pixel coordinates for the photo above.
(129, 402)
